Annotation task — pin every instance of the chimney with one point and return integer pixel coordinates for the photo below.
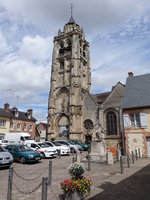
(6, 106)
(30, 112)
(130, 74)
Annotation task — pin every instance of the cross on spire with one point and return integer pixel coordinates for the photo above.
(71, 8)
(71, 20)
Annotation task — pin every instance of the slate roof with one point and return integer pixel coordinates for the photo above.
(137, 92)
(21, 115)
(71, 20)
(100, 98)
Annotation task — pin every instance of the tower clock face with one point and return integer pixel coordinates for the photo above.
(88, 124)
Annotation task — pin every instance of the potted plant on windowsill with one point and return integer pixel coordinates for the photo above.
(78, 186)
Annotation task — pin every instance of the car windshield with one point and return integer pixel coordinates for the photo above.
(43, 145)
(27, 138)
(63, 142)
(24, 148)
(70, 142)
(57, 144)
(49, 144)
(2, 149)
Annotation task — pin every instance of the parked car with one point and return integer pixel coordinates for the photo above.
(64, 150)
(45, 150)
(73, 147)
(83, 145)
(6, 159)
(23, 153)
(4, 143)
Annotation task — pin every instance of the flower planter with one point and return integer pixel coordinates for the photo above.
(74, 195)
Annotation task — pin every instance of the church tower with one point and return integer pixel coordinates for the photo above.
(70, 79)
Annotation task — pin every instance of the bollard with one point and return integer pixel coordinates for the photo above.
(139, 152)
(76, 156)
(50, 173)
(44, 188)
(132, 157)
(72, 151)
(89, 163)
(128, 160)
(117, 154)
(73, 159)
(59, 153)
(121, 165)
(136, 154)
(10, 180)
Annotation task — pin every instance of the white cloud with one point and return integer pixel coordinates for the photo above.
(36, 49)
(118, 32)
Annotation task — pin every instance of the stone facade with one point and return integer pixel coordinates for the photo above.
(72, 111)
(70, 82)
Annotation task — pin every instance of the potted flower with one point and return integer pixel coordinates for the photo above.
(78, 186)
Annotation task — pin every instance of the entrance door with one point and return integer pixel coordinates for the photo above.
(63, 131)
(148, 146)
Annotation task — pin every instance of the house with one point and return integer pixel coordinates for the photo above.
(41, 130)
(136, 113)
(13, 120)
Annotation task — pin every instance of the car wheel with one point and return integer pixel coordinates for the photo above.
(42, 155)
(22, 160)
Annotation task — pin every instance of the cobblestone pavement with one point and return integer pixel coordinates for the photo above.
(108, 183)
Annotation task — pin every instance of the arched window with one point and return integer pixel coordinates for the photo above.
(111, 123)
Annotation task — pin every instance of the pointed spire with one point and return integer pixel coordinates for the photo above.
(71, 20)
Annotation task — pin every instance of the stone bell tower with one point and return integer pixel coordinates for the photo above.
(70, 78)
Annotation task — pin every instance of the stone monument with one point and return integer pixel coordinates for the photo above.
(98, 144)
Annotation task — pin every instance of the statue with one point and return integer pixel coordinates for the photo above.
(99, 133)
(64, 105)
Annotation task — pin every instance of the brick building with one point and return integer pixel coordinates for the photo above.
(13, 120)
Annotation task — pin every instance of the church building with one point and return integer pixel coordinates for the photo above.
(73, 112)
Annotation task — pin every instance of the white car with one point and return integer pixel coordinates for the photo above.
(45, 150)
(6, 159)
(71, 145)
(4, 143)
(64, 150)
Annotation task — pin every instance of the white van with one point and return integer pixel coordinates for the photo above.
(19, 138)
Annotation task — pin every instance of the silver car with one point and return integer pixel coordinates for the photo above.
(6, 159)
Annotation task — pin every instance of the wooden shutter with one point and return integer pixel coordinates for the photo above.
(143, 120)
(126, 121)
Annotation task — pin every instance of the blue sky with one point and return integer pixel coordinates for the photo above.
(118, 32)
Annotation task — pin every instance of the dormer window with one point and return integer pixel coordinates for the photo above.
(29, 116)
(16, 113)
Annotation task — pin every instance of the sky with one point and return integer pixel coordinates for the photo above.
(118, 32)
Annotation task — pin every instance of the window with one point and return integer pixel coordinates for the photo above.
(88, 124)
(2, 123)
(25, 127)
(111, 123)
(61, 65)
(135, 120)
(22, 138)
(18, 127)
(11, 125)
(30, 128)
